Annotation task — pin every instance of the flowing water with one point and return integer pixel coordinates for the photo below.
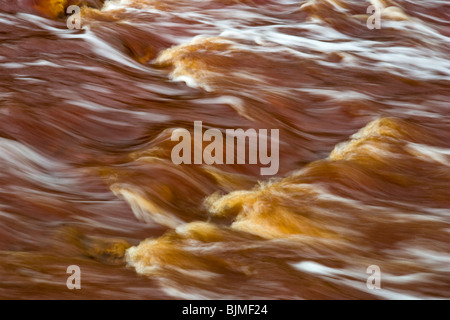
(86, 176)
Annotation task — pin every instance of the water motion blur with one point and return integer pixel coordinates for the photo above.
(87, 178)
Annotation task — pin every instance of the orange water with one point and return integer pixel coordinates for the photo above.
(86, 176)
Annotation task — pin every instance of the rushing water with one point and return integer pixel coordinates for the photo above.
(86, 176)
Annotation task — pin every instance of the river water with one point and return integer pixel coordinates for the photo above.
(87, 178)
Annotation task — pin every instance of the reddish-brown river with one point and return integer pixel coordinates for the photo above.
(87, 178)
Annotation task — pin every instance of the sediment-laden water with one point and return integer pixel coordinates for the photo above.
(87, 178)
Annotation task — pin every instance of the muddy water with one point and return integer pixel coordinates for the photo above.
(86, 176)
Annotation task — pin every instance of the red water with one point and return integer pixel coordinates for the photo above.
(86, 176)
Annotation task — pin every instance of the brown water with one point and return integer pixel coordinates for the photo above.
(85, 150)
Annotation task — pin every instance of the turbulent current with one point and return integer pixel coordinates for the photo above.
(87, 178)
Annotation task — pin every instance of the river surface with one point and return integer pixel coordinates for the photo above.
(87, 177)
